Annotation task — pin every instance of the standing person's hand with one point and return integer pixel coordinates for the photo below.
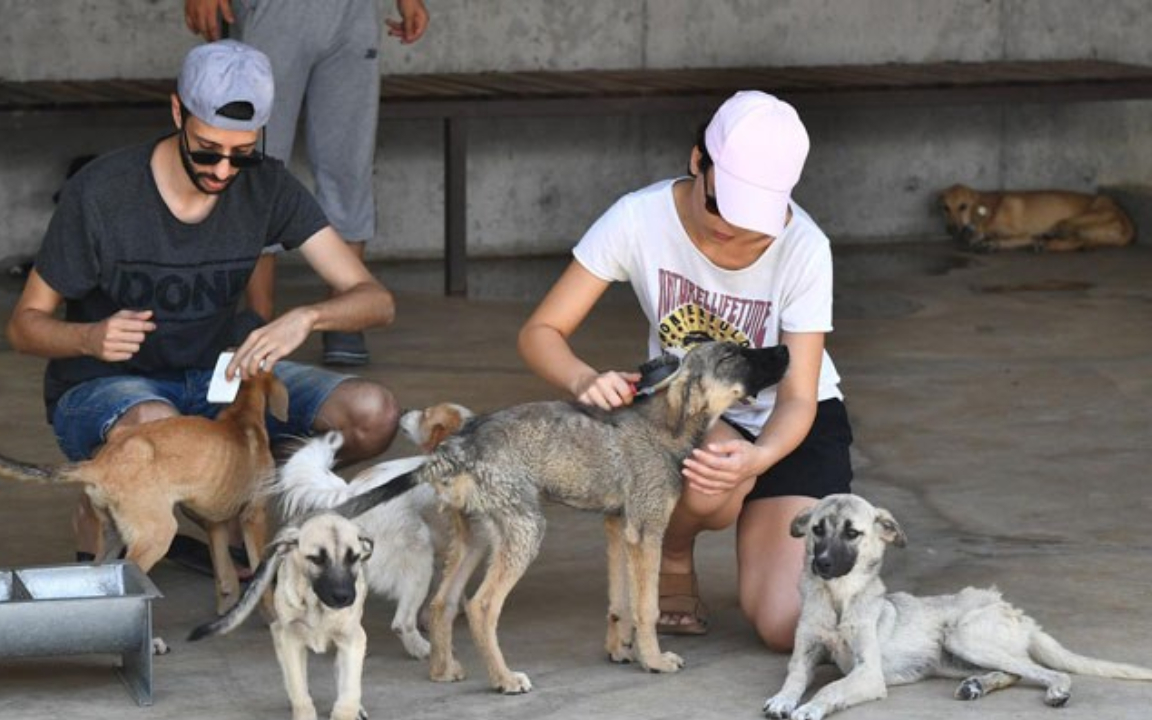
(203, 17)
(118, 337)
(412, 23)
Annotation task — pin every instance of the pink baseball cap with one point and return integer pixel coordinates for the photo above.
(758, 147)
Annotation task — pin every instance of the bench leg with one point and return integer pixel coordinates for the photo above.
(455, 206)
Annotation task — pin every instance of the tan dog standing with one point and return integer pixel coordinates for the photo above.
(212, 468)
(320, 590)
(1042, 220)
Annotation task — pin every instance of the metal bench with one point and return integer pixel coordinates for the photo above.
(454, 98)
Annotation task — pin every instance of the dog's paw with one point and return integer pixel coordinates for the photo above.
(621, 654)
(415, 644)
(159, 647)
(619, 649)
(514, 683)
(811, 711)
(304, 712)
(452, 672)
(970, 689)
(667, 662)
(779, 707)
(1057, 697)
(344, 712)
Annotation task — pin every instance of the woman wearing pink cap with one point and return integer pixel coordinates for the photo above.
(723, 254)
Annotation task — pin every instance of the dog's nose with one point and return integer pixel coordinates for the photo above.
(822, 565)
(342, 597)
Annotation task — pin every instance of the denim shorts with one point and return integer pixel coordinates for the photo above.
(86, 413)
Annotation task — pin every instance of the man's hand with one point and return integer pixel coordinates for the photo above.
(412, 23)
(265, 346)
(203, 17)
(607, 390)
(118, 337)
(719, 467)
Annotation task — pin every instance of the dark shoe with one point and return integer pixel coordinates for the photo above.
(344, 348)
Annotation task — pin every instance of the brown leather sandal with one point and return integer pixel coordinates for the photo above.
(680, 597)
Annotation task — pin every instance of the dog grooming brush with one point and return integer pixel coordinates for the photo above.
(656, 374)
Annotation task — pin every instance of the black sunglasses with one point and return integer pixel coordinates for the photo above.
(207, 157)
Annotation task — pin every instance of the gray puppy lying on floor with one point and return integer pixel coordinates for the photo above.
(878, 639)
(319, 600)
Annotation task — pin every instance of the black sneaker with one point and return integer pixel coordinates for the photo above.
(345, 348)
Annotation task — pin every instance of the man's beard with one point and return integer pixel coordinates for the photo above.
(198, 178)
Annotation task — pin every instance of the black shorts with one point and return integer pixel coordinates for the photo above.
(819, 466)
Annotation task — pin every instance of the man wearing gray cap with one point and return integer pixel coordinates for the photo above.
(150, 251)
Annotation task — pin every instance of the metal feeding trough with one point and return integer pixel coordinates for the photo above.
(81, 610)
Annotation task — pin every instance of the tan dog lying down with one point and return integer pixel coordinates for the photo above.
(1043, 220)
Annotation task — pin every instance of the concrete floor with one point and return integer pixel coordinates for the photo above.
(1002, 408)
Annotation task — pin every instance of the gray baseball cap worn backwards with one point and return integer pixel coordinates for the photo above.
(218, 74)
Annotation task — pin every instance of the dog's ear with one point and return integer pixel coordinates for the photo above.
(367, 545)
(677, 396)
(277, 398)
(799, 525)
(285, 542)
(890, 531)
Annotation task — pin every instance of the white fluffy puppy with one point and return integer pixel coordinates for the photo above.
(406, 531)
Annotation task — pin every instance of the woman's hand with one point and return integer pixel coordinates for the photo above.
(608, 389)
(719, 467)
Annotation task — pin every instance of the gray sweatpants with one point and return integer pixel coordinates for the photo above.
(325, 59)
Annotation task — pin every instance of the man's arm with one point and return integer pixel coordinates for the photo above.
(34, 329)
(359, 301)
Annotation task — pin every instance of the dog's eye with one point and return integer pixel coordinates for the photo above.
(852, 533)
(818, 529)
(963, 207)
(318, 560)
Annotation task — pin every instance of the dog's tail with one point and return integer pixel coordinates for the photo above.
(230, 620)
(360, 504)
(20, 471)
(306, 483)
(1047, 651)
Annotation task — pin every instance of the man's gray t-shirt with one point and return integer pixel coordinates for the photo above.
(113, 244)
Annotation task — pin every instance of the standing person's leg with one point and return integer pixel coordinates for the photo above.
(341, 122)
(283, 30)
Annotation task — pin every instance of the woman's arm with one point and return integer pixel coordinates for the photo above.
(718, 467)
(543, 341)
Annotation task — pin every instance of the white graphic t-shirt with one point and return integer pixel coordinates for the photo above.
(687, 298)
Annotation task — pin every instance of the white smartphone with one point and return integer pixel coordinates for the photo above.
(221, 390)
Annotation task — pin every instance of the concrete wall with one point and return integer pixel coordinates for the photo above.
(536, 184)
